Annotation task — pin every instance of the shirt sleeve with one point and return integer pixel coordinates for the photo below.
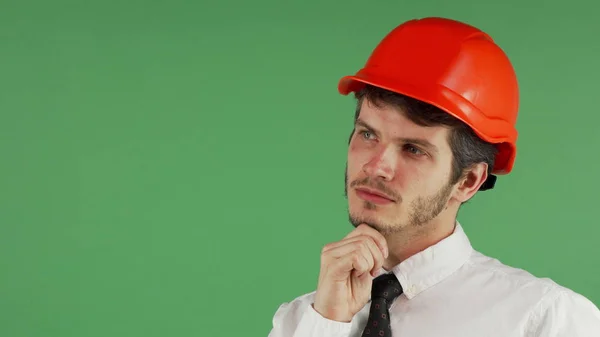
(300, 319)
(569, 314)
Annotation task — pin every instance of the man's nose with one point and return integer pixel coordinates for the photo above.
(382, 164)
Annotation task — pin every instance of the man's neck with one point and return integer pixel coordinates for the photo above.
(403, 245)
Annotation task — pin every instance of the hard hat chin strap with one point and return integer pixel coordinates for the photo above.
(489, 183)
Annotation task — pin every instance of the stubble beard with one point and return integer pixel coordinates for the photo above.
(421, 211)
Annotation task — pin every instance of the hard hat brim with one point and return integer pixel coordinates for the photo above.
(491, 130)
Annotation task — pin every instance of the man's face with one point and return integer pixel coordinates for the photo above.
(408, 164)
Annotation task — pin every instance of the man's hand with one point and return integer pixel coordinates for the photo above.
(347, 270)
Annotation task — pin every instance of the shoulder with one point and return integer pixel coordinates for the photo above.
(553, 309)
(513, 278)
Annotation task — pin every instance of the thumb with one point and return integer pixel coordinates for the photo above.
(364, 282)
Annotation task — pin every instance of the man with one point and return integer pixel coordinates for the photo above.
(435, 123)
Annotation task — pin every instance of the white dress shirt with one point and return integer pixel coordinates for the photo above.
(452, 290)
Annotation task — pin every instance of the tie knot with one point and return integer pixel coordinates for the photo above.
(386, 286)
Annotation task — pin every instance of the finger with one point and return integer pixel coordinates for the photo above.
(362, 254)
(377, 255)
(337, 249)
(355, 261)
(364, 229)
(365, 249)
(336, 257)
(359, 230)
(337, 244)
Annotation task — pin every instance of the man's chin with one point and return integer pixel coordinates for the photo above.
(356, 221)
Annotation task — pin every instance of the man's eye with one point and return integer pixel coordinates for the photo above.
(366, 134)
(414, 150)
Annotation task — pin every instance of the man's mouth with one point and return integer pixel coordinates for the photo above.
(374, 196)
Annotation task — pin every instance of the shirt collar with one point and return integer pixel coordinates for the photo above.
(432, 265)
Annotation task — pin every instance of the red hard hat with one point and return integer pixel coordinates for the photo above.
(453, 66)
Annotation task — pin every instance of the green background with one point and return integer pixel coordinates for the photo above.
(173, 168)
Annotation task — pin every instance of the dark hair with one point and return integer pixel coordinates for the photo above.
(467, 148)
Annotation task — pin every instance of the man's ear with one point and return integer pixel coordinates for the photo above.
(470, 181)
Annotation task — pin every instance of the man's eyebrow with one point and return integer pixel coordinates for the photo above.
(417, 141)
(360, 122)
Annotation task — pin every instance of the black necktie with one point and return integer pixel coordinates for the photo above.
(385, 289)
